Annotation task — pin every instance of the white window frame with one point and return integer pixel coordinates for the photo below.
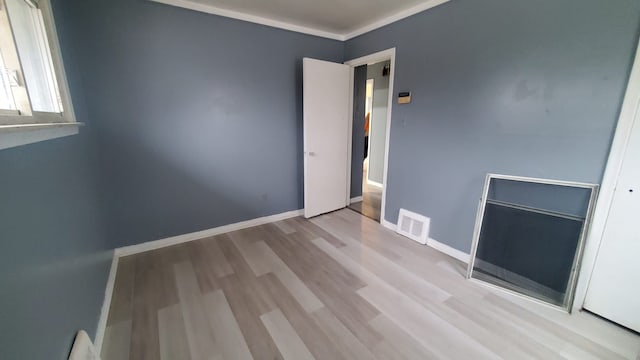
(16, 130)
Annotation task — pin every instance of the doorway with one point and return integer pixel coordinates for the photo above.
(372, 78)
(328, 140)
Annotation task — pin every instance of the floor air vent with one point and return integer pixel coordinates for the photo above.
(414, 226)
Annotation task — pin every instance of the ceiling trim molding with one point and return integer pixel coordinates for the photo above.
(210, 9)
(393, 18)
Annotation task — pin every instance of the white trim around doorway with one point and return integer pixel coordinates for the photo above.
(385, 55)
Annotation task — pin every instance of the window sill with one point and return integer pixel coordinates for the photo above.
(17, 135)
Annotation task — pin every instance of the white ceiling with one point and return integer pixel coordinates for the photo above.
(337, 19)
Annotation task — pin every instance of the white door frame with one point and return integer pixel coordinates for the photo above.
(390, 55)
(609, 181)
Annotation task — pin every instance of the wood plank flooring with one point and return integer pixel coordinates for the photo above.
(338, 286)
(371, 201)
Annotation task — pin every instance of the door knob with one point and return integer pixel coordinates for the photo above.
(311, 153)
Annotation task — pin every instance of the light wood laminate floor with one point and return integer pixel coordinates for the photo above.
(371, 202)
(338, 286)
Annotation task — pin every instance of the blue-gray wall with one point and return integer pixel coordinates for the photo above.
(54, 255)
(199, 117)
(53, 258)
(520, 87)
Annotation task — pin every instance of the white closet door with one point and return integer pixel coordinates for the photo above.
(326, 135)
(614, 289)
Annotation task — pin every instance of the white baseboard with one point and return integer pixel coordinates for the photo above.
(106, 304)
(156, 244)
(355, 199)
(389, 225)
(443, 248)
(446, 249)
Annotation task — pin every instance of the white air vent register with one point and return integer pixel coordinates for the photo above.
(414, 226)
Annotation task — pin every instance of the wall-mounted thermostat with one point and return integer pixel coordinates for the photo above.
(404, 97)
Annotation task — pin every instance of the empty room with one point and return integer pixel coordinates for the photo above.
(339, 179)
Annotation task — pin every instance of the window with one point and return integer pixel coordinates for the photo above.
(34, 98)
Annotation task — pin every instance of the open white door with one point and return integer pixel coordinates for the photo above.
(326, 136)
